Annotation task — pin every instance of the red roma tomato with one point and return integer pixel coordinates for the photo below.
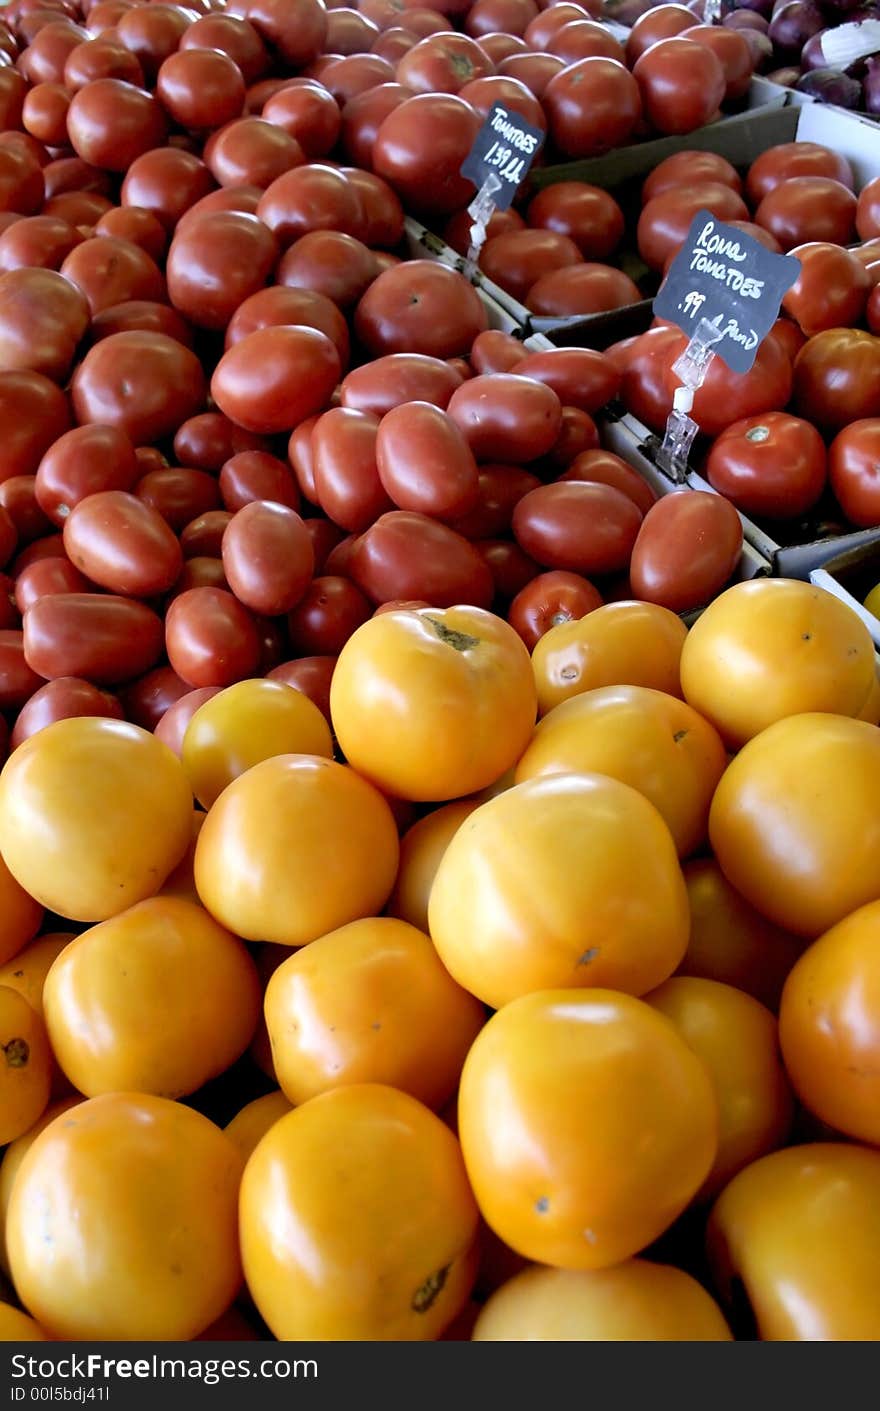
(276, 377)
(511, 569)
(251, 152)
(179, 494)
(122, 544)
(535, 70)
(256, 475)
(18, 680)
(349, 32)
(45, 576)
(147, 699)
(244, 199)
(731, 51)
(42, 319)
(111, 123)
(585, 214)
(381, 211)
(643, 387)
(307, 112)
(311, 675)
(103, 638)
(22, 185)
(324, 536)
(276, 305)
(837, 378)
(726, 396)
(687, 548)
(297, 29)
(420, 307)
(204, 535)
(209, 440)
(419, 148)
(442, 63)
(583, 527)
(868, 210)
(8, 536)
(772, 465)
(311, 197)
(216, 260)
(831, 290)
(200, 88)
(578, 433)
(82, 462)
(499, 489)
(584, 39)
(494, 351)
(352, 74)
(424, 461)
(211, 638)
(136, 225)
(145, 384)
(60, 700)
(682, 85)
(364, 115)
(540, 31)
(299, 453)
(690, 168)
(18, 500)
(33, 414)
(788, 335)
(548, 600)
(199, 572)
(347, 484)
(330, 610)
(143, 316)
(808, 208)
(390, 381)
(12, 94)
(791, 159)
(44, 115)
(516, 259)
(494, 16)
(43, 241)
(661, 22)
(108, 271)
(232, 36)
(584, 289)
(171, 726)
(168, 182)
(331, 263)
(406, 556)
(506, 417)
(267, 557)
(153, 34)
(665, 219)
(854, 468)
(605, 468)
(873, 308)
(592, 106)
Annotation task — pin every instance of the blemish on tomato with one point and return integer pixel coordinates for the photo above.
(542, 1204)
(17, 1053)
(588, 955)
(427, 1293)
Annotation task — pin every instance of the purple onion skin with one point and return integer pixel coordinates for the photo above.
(871, 87)
(759, 7)
(836, 8)
(746, 19)
(812, 56)
(831, 86)
(787, 77)
(760, 48)
(793, 25)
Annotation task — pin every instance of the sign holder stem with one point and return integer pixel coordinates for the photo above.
(691, 369)
(481, 209)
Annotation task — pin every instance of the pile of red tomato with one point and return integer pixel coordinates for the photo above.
(374, 834)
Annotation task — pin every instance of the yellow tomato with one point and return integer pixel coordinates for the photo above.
(737, 1039)
(870, 711)
(421, 849)
(25, 1065)
(732, 942)
(250, 1125)
(872, 601)
(20, 915)
(370, 1003)
(433, 704)
(771, 648)
(122, 1222)
(829, 1025)
(18, 1327)
(294, 848)
(13, 1157)
(620, 644)
(180, 882)
(27, 972)
(567, 881)
(249, 722)
(587, 1126)
(94, 814)
(267, 957)
(795, 822)
(157, 1000)
(644, 738)
(633, 1302)
(379, 1222)
(799, 1233)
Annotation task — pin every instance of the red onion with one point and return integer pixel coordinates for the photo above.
(871, 86)
(761, 7)
(760, 46)
(793, 25)
(831, 86)
(787, 77)
(812, 56)
(746, 19)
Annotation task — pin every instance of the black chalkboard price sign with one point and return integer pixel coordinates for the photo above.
(724, 276)
(505, 147)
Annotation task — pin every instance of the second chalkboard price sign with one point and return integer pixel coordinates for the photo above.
(724, 276)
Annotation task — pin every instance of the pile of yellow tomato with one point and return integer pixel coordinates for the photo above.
(567, 1030)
